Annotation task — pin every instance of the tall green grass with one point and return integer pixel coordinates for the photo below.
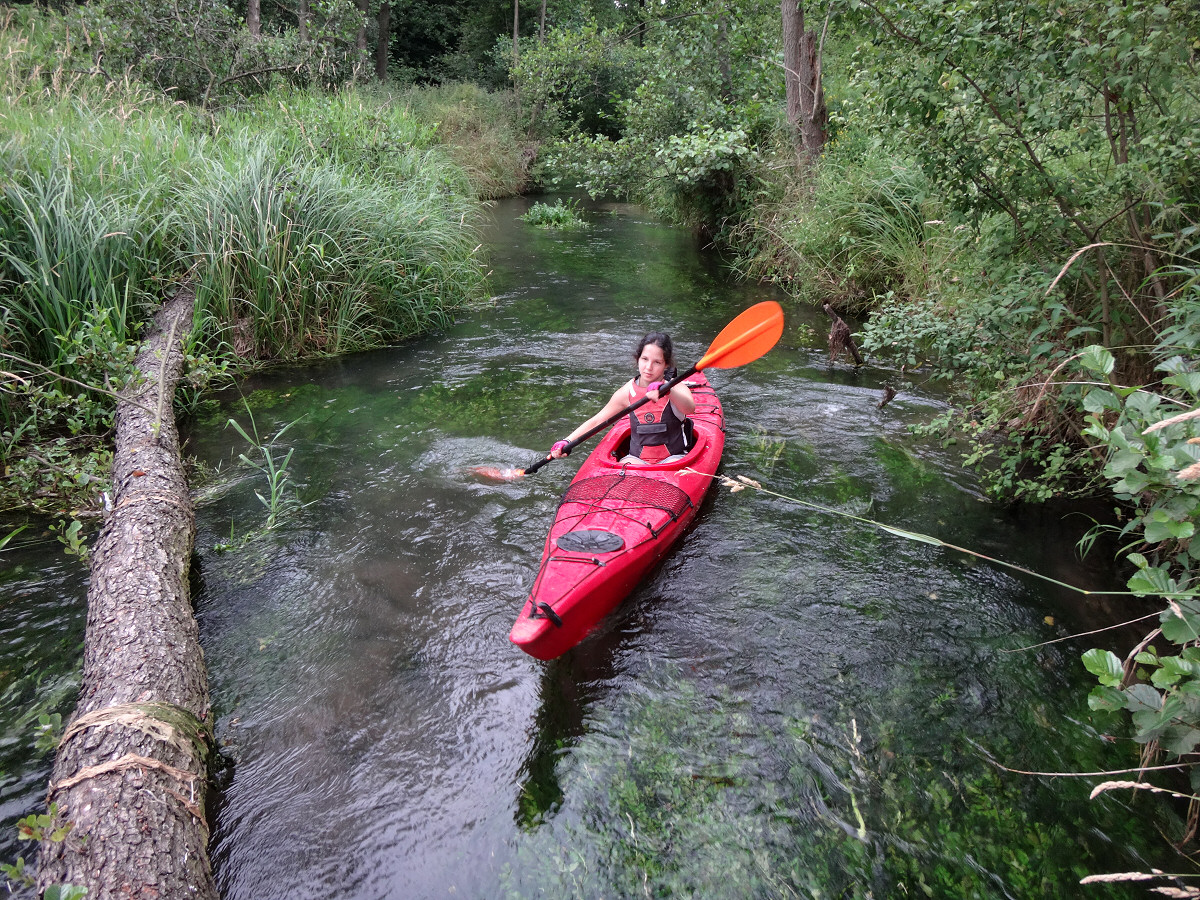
(861, 227)
(71, 259)
(311, 224)
(295, 256)
(331, 222)
(477, 128)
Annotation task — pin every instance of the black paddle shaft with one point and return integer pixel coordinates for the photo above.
(666, 389)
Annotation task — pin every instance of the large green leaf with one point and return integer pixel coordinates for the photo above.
(1160, 527)
(1141, 698)
(1123, 461)
(1099, 400)
(1107, 699)
(1097, 359)
(1180, 739)
(1105, 665)
(1152, 580)
(1188, 381)
(1181, 620)
(1172, 670)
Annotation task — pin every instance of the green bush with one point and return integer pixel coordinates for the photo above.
(677, 122)
(201, 52)
(558, 215)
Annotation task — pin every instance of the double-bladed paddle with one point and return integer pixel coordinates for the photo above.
(751, 334)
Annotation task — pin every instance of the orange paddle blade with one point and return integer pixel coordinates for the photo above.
(746, 338)
(495, 473)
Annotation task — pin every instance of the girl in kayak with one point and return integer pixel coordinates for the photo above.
(659, 429)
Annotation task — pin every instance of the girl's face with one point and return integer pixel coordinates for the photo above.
(651, 364)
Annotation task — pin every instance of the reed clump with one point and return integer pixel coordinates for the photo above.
(862, 226)
(477, 129)
(296, 256)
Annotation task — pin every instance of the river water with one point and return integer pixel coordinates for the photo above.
(794, 704)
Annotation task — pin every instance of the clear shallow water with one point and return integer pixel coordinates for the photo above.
(793, 704)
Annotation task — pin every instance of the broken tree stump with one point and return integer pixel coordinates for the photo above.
(840, 339)
(131, 771)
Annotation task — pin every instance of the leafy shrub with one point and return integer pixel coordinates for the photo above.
(558, 215)
(676, 123)
(201, 51)
(1151, 441)
(576, 80)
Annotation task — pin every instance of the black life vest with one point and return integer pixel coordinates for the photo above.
(656, 425)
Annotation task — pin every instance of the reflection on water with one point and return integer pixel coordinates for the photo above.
(792, 704)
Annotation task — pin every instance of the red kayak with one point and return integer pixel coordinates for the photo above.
(613, 524)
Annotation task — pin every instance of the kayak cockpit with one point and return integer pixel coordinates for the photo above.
(610, 455)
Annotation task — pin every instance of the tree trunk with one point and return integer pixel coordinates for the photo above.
(516, 31)
(254, 18)
(360, 42)
(806, 110)
(814, 116)
(723, 58)
(542, 24)
(793, 31)
(131, 769)
(303, 21)
(385, 36)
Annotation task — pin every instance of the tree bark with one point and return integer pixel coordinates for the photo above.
(302, 23)
(516, 31)
(814, 116)
(542, 24)
(806, 110)
(384, 21)
(793, 31)
(723, 58)
(131, 769)
(364, 7)
(254, 18)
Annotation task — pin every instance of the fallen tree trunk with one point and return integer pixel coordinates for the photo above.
(131, 770)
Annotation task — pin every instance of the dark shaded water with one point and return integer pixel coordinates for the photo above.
(794, 704)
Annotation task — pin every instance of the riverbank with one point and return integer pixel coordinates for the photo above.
(312, 224)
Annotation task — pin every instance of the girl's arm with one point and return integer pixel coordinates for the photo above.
(682, 400)
(616, 403)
